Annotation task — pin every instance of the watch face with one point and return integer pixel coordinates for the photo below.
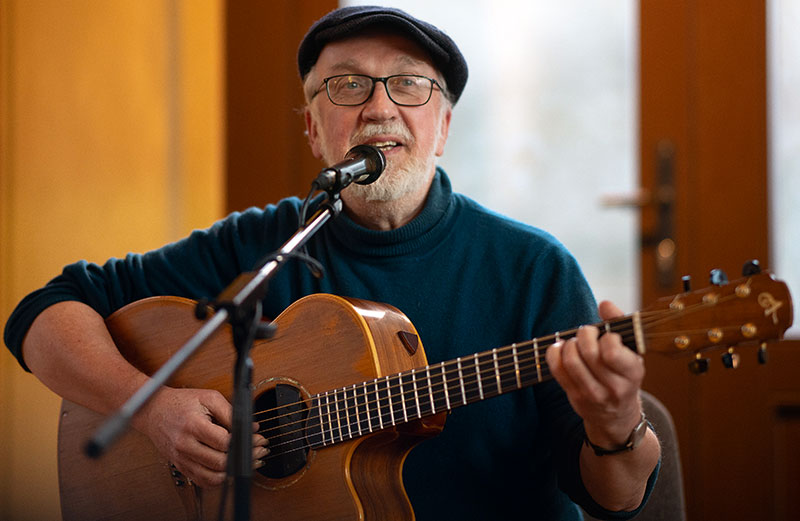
(638, 433)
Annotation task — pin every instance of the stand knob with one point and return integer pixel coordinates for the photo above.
(202, 308)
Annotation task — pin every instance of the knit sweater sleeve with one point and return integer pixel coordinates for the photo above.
(198, 266)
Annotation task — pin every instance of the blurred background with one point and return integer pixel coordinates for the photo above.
(655, 138)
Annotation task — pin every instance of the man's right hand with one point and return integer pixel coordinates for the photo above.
(191, 428)
(69, 349)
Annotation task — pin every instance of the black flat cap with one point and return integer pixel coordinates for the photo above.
(349, 21)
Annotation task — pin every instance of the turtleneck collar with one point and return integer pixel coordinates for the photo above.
(426, 228)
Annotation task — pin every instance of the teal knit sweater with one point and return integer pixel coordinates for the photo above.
(469, 279)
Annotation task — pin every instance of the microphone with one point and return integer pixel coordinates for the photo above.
(362, 165)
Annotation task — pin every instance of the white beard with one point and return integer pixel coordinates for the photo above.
(398, 179)
(395, 182)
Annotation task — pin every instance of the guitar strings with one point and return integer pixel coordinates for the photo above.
(505, 352)
(339, 415)
(335, 412)
(504, 355)
(342, 417)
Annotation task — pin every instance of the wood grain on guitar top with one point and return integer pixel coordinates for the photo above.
(322, 342)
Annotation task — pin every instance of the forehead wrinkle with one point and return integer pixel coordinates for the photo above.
(354, 66)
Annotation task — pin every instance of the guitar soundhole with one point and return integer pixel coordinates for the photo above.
(281, 414)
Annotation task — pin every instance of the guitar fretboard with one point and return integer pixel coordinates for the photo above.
(363, 408)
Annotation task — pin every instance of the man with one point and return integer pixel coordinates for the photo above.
(469, 279)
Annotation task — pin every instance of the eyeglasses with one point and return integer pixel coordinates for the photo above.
(407, 90)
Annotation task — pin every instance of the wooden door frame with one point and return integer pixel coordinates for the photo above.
(267, 153)
(703, 88)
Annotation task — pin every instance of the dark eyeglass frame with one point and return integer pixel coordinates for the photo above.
(374, 80)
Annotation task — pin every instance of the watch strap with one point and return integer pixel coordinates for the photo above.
(635, 438)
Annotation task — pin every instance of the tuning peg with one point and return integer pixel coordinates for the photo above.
(751, 267)
(699, 365)
(762, 353)
(730, 359)
(718, 277)
(687, 283)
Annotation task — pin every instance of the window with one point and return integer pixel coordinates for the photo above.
(547, 123)
(784, 146)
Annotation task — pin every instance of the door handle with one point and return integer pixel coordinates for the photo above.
(662, 197)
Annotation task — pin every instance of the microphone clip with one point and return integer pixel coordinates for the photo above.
(363, 164)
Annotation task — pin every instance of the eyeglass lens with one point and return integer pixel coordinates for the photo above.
(402, 89)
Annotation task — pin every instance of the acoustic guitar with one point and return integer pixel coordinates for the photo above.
(344, 392)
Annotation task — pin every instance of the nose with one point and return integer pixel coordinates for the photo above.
(379, 107)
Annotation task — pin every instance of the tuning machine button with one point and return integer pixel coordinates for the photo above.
(718, 277)
(687, 283)
(762, 353)
(751, 267)
(730, 359)
(699, 365)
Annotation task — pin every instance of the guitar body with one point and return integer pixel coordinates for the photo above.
(322, 342)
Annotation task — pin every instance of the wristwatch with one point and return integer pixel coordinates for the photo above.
(636, 437)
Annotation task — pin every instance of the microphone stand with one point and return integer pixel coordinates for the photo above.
(239, 304)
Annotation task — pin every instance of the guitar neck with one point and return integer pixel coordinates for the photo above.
(363, 408)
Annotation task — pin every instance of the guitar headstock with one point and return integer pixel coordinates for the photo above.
(754, 309)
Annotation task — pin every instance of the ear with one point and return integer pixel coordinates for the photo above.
(444, 130)
(312, 132)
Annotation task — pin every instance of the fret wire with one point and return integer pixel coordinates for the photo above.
(430, 388)
(347, 414)
(478, 375)
(516, 365)
(403, 399)
(538, 363)
(355, 401)
(361, 410)
(444, 384)
(389, 398)
(317, 399)
(346, 418)
(328, 406)
(461, 382)
(378, 406)
(338, 415)
(366, 404)
(497, 371)
(347, 423)
(416, 394)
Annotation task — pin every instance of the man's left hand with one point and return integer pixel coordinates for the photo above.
(602, 379)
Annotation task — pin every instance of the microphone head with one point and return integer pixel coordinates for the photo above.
(375, 162)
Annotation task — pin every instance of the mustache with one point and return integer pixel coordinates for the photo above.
(395, 128)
